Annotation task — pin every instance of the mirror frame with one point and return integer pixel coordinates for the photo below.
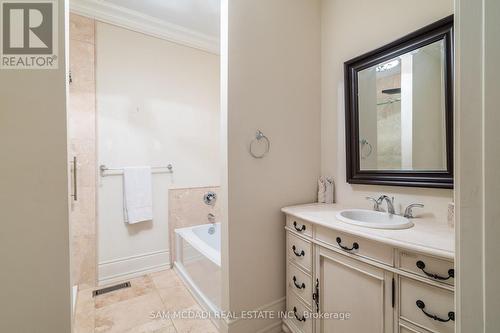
(440, 30)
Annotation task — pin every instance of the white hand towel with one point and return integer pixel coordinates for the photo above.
(321, 189)
(137, 194)
(330, 190)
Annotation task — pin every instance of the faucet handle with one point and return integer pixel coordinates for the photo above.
(409, 210)
(376, 203)
(384, 197)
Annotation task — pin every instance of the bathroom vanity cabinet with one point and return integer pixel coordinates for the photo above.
(376, 285)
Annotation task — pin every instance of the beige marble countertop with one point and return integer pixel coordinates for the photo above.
(428, 235)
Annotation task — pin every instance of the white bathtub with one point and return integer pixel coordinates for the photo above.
(198, 262)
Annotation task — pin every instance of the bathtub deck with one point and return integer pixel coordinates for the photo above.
(131, 310)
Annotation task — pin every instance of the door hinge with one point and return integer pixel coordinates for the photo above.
(393, 292)
(316, 295)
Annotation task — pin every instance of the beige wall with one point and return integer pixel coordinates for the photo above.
(478, 162)
(273, 79)
(34, 235)
(349, 29)
(82, 144)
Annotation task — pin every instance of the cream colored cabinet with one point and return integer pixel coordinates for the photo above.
(338, 282)
(358, 295)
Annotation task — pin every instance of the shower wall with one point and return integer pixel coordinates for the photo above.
(157, 103)
(81, 143)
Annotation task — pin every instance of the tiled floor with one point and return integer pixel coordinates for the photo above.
(136, 309)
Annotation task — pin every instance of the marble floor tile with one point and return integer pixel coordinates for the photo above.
(166, 279)
(125, 315)
(139, 287)
(176, 298)
(194, 325)
(135, 309)
(156, 326)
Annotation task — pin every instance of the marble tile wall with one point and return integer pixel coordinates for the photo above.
(82, 144)
(186, 208)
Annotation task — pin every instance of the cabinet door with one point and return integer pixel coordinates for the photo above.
(361, 291)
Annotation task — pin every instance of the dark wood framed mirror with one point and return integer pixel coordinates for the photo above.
(399, 111)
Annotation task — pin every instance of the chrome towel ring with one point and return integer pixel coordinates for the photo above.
(259, 136)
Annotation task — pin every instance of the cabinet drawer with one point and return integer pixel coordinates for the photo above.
(405, 327)
(300, 282)
(299, 251)
(365, 248)
(298, 225)
(299, 313)
(417, 299)
(433, 268)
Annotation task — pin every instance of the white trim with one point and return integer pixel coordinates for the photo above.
(258, 325)
(134, 20)
(202, 300)
(120, 269)
(273, 328)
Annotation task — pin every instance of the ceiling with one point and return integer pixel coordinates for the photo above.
(202, 16)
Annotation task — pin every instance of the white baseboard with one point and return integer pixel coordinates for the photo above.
(120, 269)
(273, 328)
(257, 325)
(289, 327)
(285, 328)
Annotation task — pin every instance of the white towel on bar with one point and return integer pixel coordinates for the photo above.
(137, 194)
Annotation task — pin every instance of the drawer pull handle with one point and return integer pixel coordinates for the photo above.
(355, 245)
(297, 316)
(451, 314)
(421, 266)
(298, 254)
(302, 227)
(298, 286)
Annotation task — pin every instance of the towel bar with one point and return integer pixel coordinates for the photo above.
(105, 171)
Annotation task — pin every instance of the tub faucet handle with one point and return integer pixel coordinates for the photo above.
(209, 198)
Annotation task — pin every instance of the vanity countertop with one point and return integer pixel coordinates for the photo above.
(428, 235)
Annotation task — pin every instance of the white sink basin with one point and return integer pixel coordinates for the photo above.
(373, 219)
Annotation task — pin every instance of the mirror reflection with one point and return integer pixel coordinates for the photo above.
(401, 103)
